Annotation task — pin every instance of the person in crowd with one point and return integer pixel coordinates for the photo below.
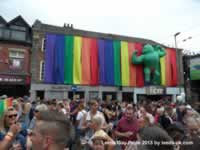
(61, 108)
(100, 139)
(80, 119)
(166, 119)
(25, 114)
(159, 112)
(143, 122)
(90, 114)
(8, 119)
(67, 108)
(143, 113)
(74, 109)
(52, 131)
(18, 108)
(127, 126)
(38, 109)
(9, 138)
(151, 134)
(31, 113)
(52, 105)
(192, 133)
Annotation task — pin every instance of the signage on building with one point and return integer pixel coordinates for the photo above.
(57, 87)
(154, 90)
(8, 79)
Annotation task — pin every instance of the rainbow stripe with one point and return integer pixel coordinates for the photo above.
(4, 104)
(90, 61)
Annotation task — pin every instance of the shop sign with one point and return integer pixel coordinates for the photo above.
(12, 79)
(57, 87)
(155, 90)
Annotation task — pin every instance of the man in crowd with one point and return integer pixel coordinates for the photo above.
(52, 131)
(127, 126)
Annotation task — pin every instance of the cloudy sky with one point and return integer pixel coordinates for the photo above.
(157, 20)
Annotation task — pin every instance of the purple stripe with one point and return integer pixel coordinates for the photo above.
(49, 58)
(101, 62)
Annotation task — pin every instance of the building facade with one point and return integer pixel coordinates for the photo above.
(15, 51)
(192, 77)
(102, 67)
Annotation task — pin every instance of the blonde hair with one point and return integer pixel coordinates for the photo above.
(41, 107)
(97, 119)
(3, 118)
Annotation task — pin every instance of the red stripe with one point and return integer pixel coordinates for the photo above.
(173, 67)
(168, 68)
(94, 62)
(139, 68)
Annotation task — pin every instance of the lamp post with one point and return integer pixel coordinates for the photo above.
(179, 75)
(175, 35)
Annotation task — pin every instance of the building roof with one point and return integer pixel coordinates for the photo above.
(2, 20)
(39, 26)
(19, 21)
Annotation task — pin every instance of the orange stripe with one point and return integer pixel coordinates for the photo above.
(85, 59)
(131, 49)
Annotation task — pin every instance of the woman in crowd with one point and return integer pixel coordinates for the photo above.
(8, 119)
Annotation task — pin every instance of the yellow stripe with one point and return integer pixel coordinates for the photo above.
(5, 104)
(77, 60)
(163, 71)
(125, 63)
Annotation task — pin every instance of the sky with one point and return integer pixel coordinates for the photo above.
(156, 20)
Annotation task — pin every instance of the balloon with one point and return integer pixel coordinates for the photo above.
(183, 94)
(151, 59)
(179, 98)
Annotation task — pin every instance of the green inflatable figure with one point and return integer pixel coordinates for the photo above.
(150, 58)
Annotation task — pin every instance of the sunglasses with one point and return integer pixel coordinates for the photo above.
(11, 116)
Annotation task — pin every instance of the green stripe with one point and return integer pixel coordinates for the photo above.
(69, 43)
(1, 107)
(117, 62)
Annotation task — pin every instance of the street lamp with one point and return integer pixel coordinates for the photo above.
(175, 35)
(184, 40)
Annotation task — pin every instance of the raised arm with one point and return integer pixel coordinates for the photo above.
(161, 51)
(137, 59)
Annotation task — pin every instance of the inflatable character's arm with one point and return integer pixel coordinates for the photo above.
(162, 52)
(137, 59)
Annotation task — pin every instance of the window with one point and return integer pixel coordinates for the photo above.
(18, 35)
(16, 58)
(42, 70)
(16, 53)
(18, 28)
(43, 45)
(1, 32)
(6, 34)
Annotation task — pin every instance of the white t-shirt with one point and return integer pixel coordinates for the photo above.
(88, 117)
(63, 110)
(80, 118)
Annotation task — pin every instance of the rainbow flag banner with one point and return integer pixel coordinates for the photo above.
(71, 59)
(4, 104)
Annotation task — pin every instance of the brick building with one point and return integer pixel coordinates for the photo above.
(15, 51)
(39, 88)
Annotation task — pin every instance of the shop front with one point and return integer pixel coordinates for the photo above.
(156, 93)
(14, 85)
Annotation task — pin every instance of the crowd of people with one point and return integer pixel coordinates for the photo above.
(99, 125)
